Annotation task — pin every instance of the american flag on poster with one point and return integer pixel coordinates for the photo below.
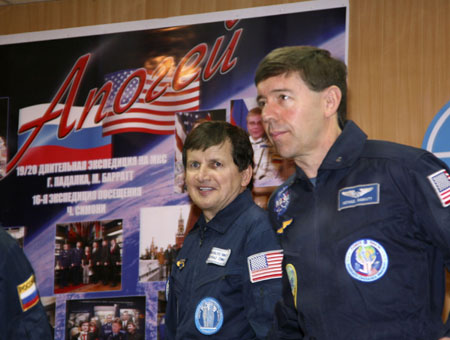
(265, 266)
(441, 184)
(157, 117)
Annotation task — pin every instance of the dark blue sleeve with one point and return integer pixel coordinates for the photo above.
(261, 296)
(21, 316)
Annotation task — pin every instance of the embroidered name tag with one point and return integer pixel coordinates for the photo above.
(365, 194)
(219, 256)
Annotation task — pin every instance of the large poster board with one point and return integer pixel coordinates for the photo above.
(92, 121)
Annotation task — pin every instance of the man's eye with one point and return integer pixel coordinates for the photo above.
(217, 164)
(284, 97)
(194, 165)
(261, 103)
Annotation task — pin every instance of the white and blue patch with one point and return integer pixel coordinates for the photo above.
(358, 195)
(282, 200)
(208, 316)
(366, 260)
(218, 256)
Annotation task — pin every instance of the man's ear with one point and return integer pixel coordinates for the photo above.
(246, 176)
(332, 97)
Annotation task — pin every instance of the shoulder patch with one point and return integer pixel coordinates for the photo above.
(440, 181)
(28, 294)
(281, 201)
(265, 265)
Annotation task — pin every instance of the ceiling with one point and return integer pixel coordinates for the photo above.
(18, 2)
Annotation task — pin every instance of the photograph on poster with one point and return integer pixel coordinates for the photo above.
(49, 303)
(103, 318)
(88, 256)
(267, 163)
(184, 123)
(161, 236)
(18, 233)
(161, 315)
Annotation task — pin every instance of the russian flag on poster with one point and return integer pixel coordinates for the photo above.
(239, 111)
(84, 144)
(28, 294)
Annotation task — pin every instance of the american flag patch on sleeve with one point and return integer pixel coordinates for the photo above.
(441, 184)
(265, 266)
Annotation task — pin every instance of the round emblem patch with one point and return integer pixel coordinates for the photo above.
(208, 316)
(366, 260)
(292, 277)
(282, 200)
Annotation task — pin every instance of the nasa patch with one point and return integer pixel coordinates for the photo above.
(208, 316)
(282, 200)
(366, 260)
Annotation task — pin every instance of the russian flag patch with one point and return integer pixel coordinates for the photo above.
(28, 294)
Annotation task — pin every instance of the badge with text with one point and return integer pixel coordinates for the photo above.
(366, 260)
(208, 316)
(265, 266)
(282, 200)
(218, 256)
(364, 194)
(441, 184)
(28, 294)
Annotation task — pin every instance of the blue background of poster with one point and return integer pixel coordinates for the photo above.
(33, 72)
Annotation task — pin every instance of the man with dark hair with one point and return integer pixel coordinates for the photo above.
(22, 315)
(83, 333)
(226, 278)
(76, 257)
(364, 224)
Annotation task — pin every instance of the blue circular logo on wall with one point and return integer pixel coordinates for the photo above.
(437, 137)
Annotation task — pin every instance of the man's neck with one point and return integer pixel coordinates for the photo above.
(310, 163)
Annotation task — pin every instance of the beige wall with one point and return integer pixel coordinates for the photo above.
(398, 50)
(399, 65)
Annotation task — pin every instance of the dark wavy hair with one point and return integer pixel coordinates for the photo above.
(213, 133)
(316, 67)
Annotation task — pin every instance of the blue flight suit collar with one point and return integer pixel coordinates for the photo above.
(344, 152)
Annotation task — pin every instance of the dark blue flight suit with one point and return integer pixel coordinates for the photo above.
(211, 295)
(365, 246)
(22, 316)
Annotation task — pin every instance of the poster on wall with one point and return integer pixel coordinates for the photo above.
(92, 122)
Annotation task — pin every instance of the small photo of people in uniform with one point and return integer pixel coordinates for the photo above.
(88, 256)
(106, 319)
